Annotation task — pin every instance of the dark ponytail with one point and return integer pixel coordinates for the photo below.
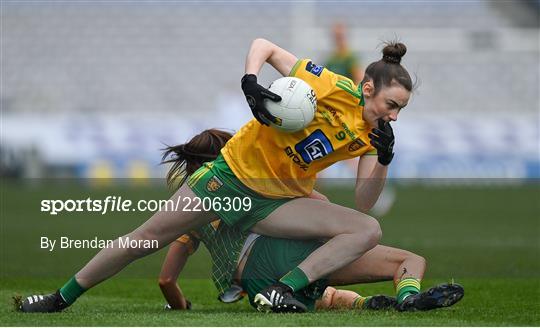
(187, 158)
(388, 69)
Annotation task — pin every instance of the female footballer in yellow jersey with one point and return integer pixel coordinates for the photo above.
(265, 160)
(274, 172)
(245, 261)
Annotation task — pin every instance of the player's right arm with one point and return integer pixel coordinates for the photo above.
(262, 51)
(176, 259)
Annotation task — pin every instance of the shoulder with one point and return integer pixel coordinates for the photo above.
(307, 68)
(317, 76)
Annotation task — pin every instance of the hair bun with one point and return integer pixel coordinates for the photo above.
(393, 51)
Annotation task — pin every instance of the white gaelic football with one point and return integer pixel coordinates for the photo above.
(297, 106)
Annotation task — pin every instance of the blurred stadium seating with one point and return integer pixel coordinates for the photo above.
(88, 83)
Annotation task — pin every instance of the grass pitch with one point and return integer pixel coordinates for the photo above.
(486, 238)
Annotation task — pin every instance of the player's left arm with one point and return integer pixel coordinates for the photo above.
(370, 180)
(175, 261)
(372, 170)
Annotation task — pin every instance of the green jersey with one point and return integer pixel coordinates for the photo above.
(224, 243)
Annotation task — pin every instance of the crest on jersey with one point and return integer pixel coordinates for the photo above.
(314, 69)
(214, 184)
(313, 147)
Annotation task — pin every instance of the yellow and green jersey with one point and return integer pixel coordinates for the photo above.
(285, 165)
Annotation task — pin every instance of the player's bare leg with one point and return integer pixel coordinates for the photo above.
(382, 263)
(350, 234)
(163, 227)
(340, 299)
(406, 269)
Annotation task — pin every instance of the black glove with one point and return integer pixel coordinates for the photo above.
(255, 95)
(382, 138)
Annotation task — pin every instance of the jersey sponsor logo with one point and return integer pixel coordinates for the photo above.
(356, 144)
(313, 147)
(213, 184)
(296, 159)
(314, 69)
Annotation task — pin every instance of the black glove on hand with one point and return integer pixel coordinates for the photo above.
(382, 138)
(255, 95)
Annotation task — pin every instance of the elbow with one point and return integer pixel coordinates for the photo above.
(263, 44)
(364, 205)
(259, 41)
(364, 208)
(364, 202)
(166, 281)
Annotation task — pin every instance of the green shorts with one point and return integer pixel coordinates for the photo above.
(271, 258)
(220, 191)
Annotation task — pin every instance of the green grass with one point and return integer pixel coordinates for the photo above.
(137, 302)
(486, 238)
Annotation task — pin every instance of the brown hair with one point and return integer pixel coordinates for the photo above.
(388, 69)
(187, 158)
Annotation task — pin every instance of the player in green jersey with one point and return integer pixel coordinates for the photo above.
(243, 261)
(261, 260)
